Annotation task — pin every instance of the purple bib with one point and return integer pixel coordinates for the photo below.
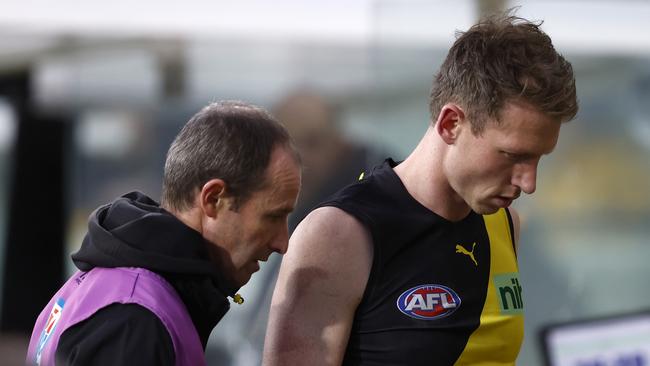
(87, 292)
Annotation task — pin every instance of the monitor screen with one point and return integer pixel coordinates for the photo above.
(614, 341)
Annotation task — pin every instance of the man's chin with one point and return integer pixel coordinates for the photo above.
(484, 209)
(245, 275)
(243, 279)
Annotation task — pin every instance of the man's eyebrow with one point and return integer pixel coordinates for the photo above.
(524, 155)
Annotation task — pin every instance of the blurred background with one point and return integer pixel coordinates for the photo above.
(92, 94)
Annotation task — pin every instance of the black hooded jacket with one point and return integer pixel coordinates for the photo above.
(134, 231)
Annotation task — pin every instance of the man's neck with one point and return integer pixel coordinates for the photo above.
(424, 178)
(189, 217)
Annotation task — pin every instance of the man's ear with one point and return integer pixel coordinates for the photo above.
(213, 197)
(449, 121)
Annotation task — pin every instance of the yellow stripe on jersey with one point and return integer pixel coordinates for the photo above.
(498, 338)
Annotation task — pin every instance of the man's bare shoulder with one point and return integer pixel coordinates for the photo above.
(331, 222)
(333, 241)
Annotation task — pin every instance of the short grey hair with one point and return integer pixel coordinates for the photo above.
(229, 140)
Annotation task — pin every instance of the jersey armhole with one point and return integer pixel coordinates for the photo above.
(512, 231)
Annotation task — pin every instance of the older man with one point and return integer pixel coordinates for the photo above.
(153, 279)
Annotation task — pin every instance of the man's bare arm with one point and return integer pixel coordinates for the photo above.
(321, 282)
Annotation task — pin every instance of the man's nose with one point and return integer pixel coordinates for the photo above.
(525, 176)
(280, 243)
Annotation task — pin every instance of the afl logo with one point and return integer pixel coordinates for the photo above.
(428, 302)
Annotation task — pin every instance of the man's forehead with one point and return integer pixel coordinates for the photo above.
(523, 139)
(283, 176)
(273, 198)
(282, 180)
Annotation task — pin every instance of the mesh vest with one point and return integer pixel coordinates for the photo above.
(87, 292)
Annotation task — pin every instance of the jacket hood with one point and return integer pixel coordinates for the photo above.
(134, 231)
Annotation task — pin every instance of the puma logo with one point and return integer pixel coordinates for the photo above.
(462, 250)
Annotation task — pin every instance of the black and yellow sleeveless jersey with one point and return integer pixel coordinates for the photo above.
(439, 292)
